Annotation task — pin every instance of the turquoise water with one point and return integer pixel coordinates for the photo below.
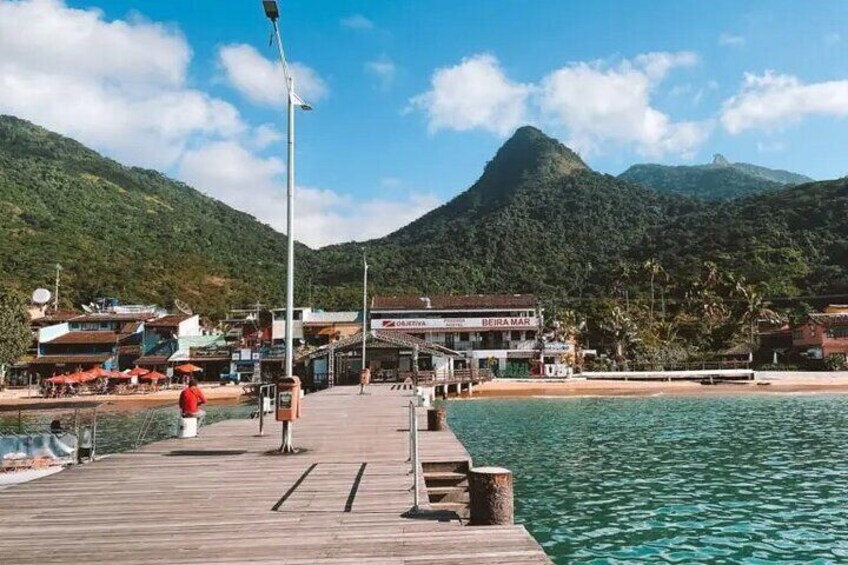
(672, 480)
(119, 430)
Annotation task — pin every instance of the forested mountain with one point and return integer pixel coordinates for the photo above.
(538, 220)
(125, 232)
(719, 180)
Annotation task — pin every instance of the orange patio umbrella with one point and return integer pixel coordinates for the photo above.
(188, 368)
(81, 377)
(58, 380)
(152, 376)
(138, 371)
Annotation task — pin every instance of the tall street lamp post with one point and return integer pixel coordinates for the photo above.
(273, 14)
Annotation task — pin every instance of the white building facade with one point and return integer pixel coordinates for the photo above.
(491, 331)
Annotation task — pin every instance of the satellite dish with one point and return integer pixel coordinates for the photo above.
(183, 307)
(87, 309)
(41, 296)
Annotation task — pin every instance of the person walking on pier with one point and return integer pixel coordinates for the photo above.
(191, 398)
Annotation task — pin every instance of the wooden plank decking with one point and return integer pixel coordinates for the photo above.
(221, 498)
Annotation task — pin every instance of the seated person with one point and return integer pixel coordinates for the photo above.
(191, 398)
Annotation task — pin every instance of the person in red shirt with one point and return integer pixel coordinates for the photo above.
(191, 398)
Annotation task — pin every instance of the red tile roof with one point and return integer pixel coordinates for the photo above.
(70, 359)
(169, 321)
(85, 337)
(453, 302)
(837, 319)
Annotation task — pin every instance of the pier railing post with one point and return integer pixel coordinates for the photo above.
(413, 456)
(491, 496)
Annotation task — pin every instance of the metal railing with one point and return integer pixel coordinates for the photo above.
(413, 454)
(265, 391)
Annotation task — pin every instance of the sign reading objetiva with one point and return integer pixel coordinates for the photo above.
(486, 324)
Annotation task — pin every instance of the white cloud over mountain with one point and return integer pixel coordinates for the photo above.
(772, 101)
(475, 94)
(119, 86)
(257, 186)
(597, 103)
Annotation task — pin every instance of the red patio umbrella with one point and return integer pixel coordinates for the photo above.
(152, 376)
(188, 368)
(137, 372)
(117, 375)
(81, 377)
(100, 372)
(58, 380)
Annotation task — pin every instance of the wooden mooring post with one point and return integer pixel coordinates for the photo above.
(491, 496)
(436, 420)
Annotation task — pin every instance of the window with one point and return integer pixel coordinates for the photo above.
(516, 336)
(463, 336)
(837, 332)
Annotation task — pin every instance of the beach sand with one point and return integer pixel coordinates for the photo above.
(214, 393)
(765, 383)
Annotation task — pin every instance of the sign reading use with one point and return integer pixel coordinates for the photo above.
(499, 323)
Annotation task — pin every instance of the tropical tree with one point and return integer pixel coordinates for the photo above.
(621, 330)
(15, 335)
(654, 270)
(755, 308)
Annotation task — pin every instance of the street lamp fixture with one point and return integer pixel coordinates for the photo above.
(271, 10)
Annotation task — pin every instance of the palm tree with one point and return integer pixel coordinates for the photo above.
(755, 309)
(622, 330)
(654, 269)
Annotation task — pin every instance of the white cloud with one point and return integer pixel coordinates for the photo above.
(261, 80)
(382, 69)
(599, 104)
(264, 135)
(116, 85)
(474, 94)
(229, 172)
(731, 40)
(771, 100)
(357, 21)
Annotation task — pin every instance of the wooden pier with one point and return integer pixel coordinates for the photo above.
(222, 498)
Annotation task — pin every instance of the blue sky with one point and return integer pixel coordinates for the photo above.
(412, 98)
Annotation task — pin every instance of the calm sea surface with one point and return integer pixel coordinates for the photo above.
(119, 430)
(679, 480)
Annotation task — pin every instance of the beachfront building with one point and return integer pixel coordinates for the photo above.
(500, 332)
(823, 334)
(88, 341)
(392, 356)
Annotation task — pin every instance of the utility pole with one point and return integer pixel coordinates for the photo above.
(56, 289)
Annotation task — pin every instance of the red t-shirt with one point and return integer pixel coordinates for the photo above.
(190, 399)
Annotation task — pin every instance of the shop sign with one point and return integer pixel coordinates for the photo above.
(498, 323)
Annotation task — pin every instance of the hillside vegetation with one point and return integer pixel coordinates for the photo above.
(654, 275)
(125, 232)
